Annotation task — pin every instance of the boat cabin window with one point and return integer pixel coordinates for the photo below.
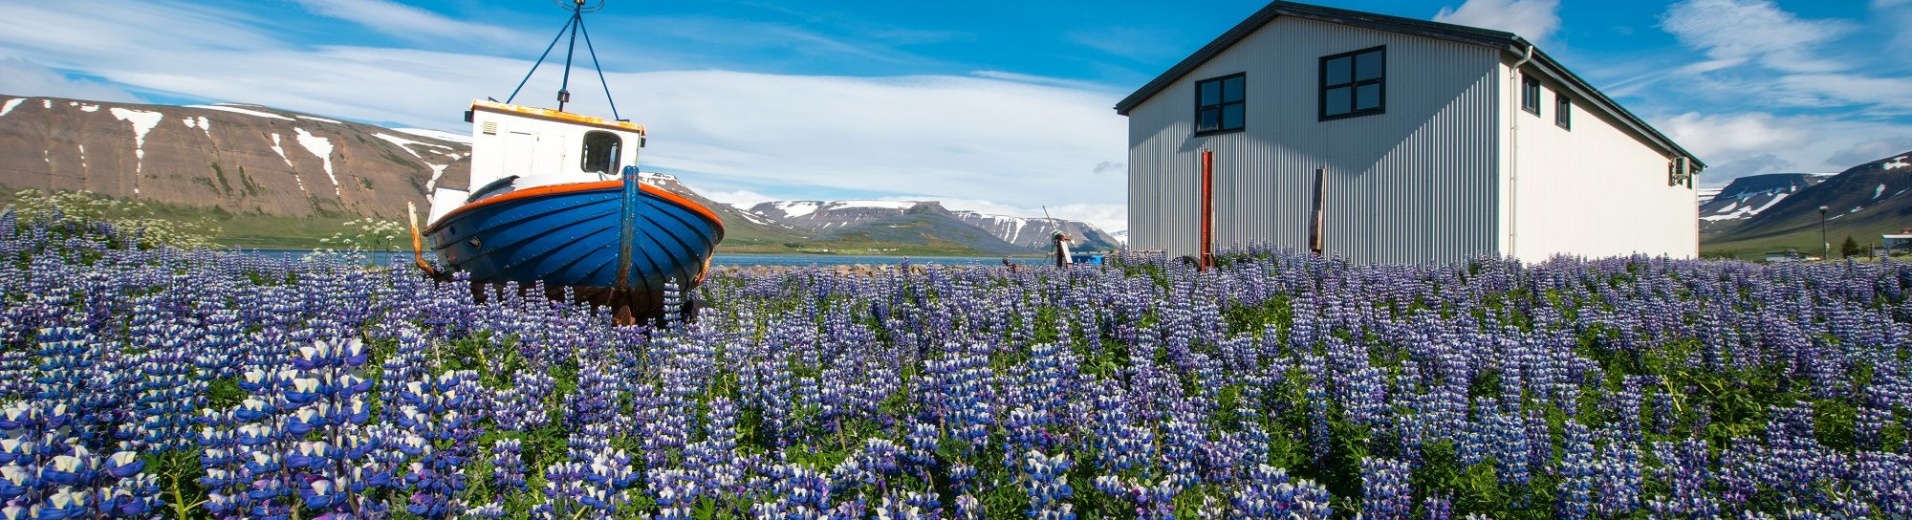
(601, 152)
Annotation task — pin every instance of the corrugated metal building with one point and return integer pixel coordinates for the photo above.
(1390, 140)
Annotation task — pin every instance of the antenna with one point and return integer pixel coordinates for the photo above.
(575, 26)
(582, 6)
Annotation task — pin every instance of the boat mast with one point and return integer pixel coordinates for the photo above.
(574, 27)
(577, 20)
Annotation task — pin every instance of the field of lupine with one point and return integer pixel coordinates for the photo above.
(171, 383)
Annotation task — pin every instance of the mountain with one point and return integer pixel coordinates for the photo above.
(278, 178)
(1036, 232)
(1863, 202)
(1706, 195)
(742, 230)
(821, 216)
(1748, 196)
(1027, 233)
(244, 159)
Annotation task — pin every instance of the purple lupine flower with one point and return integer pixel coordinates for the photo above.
(1386, 494)
(1268, 494)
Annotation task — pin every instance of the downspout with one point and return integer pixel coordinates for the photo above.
(1513, 155)
(1207, 258)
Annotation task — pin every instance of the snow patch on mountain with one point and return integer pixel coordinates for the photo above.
(1706, 195)
(1894, 164)
(1735, 212)
(11, 104)
(143, 123)
(436, 134)
(438, 170)
(872, 204)
(405, 144)
(200, 123)
(793, 209)
(321, 147)
(237, 110)
(280, 149)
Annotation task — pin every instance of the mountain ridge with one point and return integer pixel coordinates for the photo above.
(1862, 202)
(1025, 232)
(1747, 196)
(242, 158)
(249, 161)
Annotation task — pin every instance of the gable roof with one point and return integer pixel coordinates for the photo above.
(1501, 40)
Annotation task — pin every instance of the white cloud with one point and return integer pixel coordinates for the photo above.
(1714, 135)
(1737, 32)
(408, 22)
(1873, 149)
(1535, 20)
(1886, 93)
(23, 77)
(1741, 144)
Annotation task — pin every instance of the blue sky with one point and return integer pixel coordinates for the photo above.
(996, 106)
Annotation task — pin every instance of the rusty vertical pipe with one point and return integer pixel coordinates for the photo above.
(1207, 259)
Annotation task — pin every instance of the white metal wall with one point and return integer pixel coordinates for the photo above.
(530, 146)
(1595, 190)
(1418, 183)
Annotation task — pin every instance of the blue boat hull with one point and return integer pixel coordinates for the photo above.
(613, 242)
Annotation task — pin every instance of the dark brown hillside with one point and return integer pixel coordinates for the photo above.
(243, 159)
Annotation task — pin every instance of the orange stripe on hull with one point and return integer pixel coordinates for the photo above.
(556, 189)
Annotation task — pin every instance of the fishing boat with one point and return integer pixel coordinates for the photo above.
(556, 197)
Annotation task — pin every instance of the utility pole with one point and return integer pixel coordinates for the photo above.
(1822, 235)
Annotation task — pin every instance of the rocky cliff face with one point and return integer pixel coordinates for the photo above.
(243, 158)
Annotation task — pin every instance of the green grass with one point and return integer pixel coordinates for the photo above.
(259, 231)
(245, 230)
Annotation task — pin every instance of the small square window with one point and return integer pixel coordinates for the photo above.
(1563, 111)
(1354, 84)
(1221, 104)
(1530, 94)
(601, 152)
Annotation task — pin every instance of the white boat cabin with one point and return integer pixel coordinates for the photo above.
(517, 147)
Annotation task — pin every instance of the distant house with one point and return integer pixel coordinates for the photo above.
(1391, 140)
(1898, 243)
(1787, 256)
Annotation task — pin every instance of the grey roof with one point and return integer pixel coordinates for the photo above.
(1505, 41)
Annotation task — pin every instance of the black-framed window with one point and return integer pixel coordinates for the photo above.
(1563, 110)
(1529, 94)
(1221, 104)
(1354, 84)
(601, 152)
